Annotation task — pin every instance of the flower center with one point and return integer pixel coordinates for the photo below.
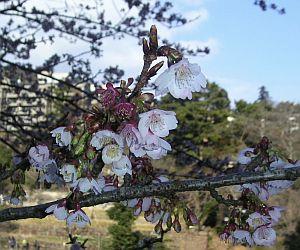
(183, 77)
(156, 122)
(112, 151)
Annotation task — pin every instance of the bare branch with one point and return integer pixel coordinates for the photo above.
(161, 190)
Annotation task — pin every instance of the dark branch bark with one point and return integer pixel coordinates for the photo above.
(160, 190)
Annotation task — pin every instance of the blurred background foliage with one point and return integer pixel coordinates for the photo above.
(211, 131)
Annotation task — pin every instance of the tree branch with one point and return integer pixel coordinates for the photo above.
(161, 190)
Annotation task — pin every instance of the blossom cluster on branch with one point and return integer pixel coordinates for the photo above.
(113, 146)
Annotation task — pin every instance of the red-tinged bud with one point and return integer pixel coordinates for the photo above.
(109, 95)
(177, 225)
(125, 110)
(247, 227)
(130, 81)
(148, 97)
(155, 68)
(232, 227)
(146, 48)
(70, 128)
(229, 197)
(265, 210)
(158, 228)
(77, 206)
(138, 208)
(116, 182)
(94, 128)
(88, 117)
(264, 143)
(193, 218)
(226, 230)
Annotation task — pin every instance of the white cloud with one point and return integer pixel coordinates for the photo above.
(238, 88)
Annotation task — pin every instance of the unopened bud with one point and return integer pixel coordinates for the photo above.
(155, 68)
(148, 97)
(90, 154)
(153, 38)
(123, 84)
(146, 48)
(129, 81)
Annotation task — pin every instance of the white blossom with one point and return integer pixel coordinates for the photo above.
(245, 155)
(242, 236)
(264, 236)
(88, 183)
(38, 156)
(256, 220)
(59, 211)
(62, 137)
(123, 166)
(106, 137)
(69, 172)
(275, 214)
(50, 171)
(181, 79)
(159, 122)
(156, 147)
(111, 153)
(133, 139)
(79, 218)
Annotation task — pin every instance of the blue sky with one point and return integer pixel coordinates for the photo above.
(249, 47)
(252, 48)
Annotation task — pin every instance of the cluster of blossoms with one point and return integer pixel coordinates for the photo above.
(113, 145)
(253, 222)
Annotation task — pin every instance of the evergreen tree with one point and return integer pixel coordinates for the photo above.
(122, 236)
(206, 129)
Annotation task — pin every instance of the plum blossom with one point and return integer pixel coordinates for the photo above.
(256, 220)
(50, 171)
(125, 110)
(278, 186)
(59, 210)
(88, 183)
(153, 216)
(78, 217)
(111, 143)
(157, 121)
(69, 172)
(245, 155)
(264, 236)
(275, 214)
(123, 166)
(156, 147)
(38, 156)
(242, 236)
(111, 153)
(181, 79)
(133, 139)
(62, 136)
(103, 138)
(108, 95)
(13, 199)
